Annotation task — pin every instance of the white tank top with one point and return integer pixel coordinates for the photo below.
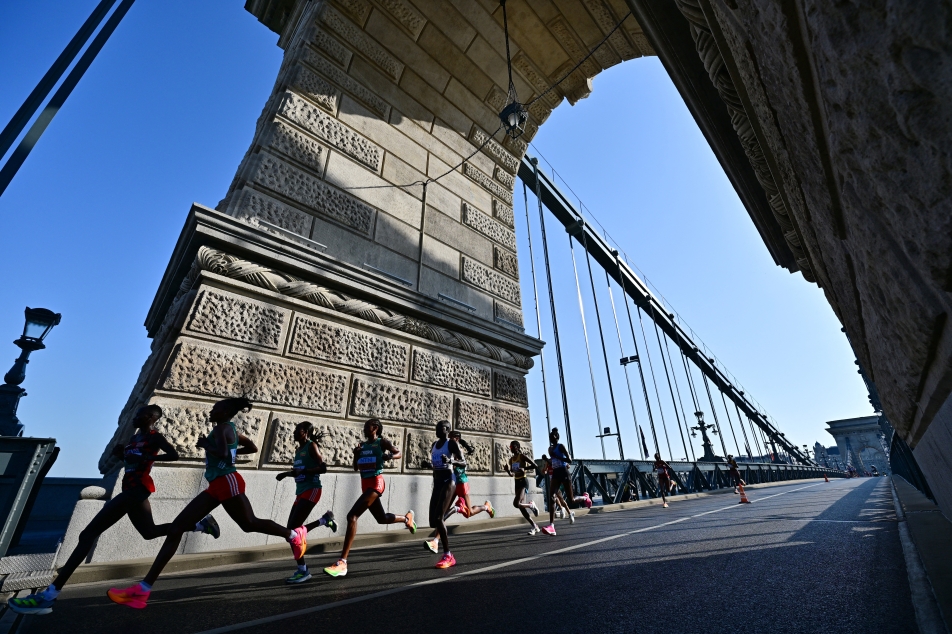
(439, 458)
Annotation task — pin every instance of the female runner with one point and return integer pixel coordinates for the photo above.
(463, 504)
(734, 472)
(307, 470)
(663, 471)
(138, 455)
(560, 458)
(562, 510)
(444, 457)
(369, 458)
(517, 466)
(225, 487)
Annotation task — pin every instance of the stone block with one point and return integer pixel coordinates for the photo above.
(403, 175)
(442, 371)
(450, 231)
(491, 418)
(481, 459)
(336, 445)
(461, 146)
(441, 47)
(414, 130)
(345, 81)
(494, 150)
(508, 180)
(200, 369)
(183, 422)
(417, 453)
(510, 387)
(503, 453)
(405, 14)
(329, 129)
(606, 20)
(367, 74)
(356, 10)
(471, 105)
(493, 229)
(404, 47)
(448, 20)
(311, 85)
(328, 341)
(251, 206)
(434, 283)
(537, 79)
(492, 61)
(381, 132)
(490, 281)
(439, 105)
(503, 213)
(454, 181)
(229, 316)
(331, 47)
(362, 43)
(508, 313)
(441, 257)
(484, 181)
(367, 186)
(399, 402)
(506, 261)
(293, 144)
(350, 247)
(286, 180)
(444, 201)
(396, 235)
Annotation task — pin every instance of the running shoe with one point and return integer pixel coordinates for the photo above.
(337, 570)
(535, 509)
(210, 526)
(588, 500)
(665, 505)
(299, 576)
(490, 509)
(433, 544)
(549, 530)
(559, 513)
(298, 542)
(410, 524)
(448, 561)
(571, 517)
(133, 596)
(461, 506)
(329, 521)
(534, 530)
(33, 604)
(735, 491)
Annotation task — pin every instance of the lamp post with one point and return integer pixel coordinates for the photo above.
(39, 322)
(702, 427)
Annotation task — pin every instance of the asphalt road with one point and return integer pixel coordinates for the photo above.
(803, 557)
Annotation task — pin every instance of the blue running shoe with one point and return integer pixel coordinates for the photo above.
(33, 604)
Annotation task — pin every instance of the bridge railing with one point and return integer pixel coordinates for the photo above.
(617, 481)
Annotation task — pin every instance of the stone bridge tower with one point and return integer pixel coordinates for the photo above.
(325, 287)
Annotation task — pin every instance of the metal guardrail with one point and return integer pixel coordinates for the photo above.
(626, 480)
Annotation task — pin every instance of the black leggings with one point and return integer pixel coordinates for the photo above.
(444, 489)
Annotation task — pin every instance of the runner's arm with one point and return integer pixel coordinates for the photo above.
(456, 454)
(169, 453)
(390, 449)
(246, 445)
(321, 465)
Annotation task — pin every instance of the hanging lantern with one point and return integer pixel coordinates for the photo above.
(514, 115)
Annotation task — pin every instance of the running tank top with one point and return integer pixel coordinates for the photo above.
(516, 466)
(216, 467)
(440, 456)
(304, 460)
(136, 471)
(459, 472)
(370, 461)
(558, 456)
(660, 469)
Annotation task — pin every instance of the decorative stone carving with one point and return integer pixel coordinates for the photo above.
(332, 342)
(490, 281)
(487, 183)
(508, 313)
(487, 417)
(297, 146)
(399, 402)
(495, 151)
(506, 261)
(364, 44)
(497, 99)
(358, 10)
(508, 180)
(282, 178)
(442, 371)
(336, 445)
(481, 460)
(536, 79)
(209, 259)
(503, 453)
(183, 423)
(312, 86)
(606, 20)
(250, 205)
(236, 318)
(540, 112)
(519, 146)
(563, 33)
(509, 387)
(482, 223)
(331, 130)
(417, 453)
(345, 81)
(408, 17)
(331, 47)
(197, 369)
(643, 44)
(503, 213)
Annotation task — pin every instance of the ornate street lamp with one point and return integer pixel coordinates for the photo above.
(39, 322)
(514, 115)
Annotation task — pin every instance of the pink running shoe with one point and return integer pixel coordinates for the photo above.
(298, 542)
(448, 561)
(133, 596)
(588, 501)
(461, 506)
(549, 530)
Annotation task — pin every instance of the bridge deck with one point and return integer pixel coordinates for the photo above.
(804, 557)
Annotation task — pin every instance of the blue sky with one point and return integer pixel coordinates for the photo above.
(163, 118)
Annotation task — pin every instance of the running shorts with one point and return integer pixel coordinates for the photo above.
(560, 474)
(226, 487)
(137, 493)
(442, 477)
(311, 495)
(374, 483)
(462, 490)
(521, 485)
(132, 480)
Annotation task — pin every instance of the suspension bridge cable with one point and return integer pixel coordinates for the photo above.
(694, 398)
(720, 430)
(654, 380)
(588, 352)
(555, 321)
(535, 296)
(601, 337)
(753, 431)
(667, 375)
(731, 423)
(677, 389)
(621, 350)
(756, 443)
(641, 372)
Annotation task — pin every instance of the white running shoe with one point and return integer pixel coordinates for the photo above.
(534, 530)
(535, 509)
(571, 517)
(559, 513)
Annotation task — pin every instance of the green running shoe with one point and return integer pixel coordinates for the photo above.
(299, 576)
(33, 604)
(330, 522)
(337, 570)
(410, 523)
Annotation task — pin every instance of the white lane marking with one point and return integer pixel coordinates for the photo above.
(505, 564)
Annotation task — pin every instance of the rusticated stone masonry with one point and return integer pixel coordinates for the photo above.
(238, 319)
(301, 112)
(336, 443)
(399, 402)
(486, 417)
(509, 387)
(490, 281)
(443, 371)
(326, 341)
